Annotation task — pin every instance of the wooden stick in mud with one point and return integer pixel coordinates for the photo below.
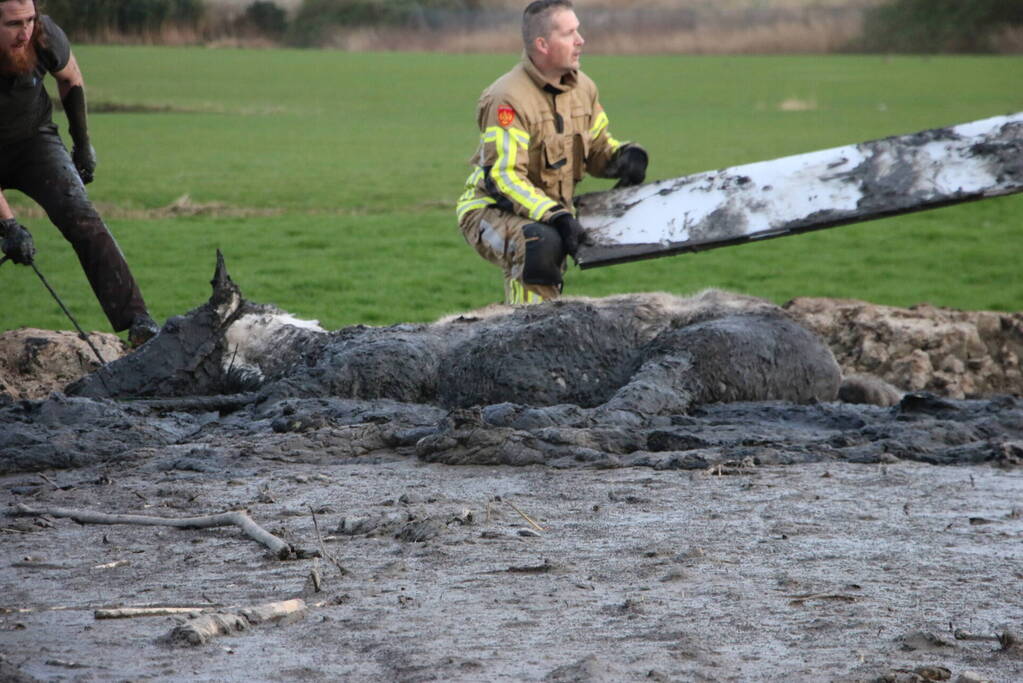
(132, 612)
(525, 516)
(965, 635)
(205, 627)
(323, 551)
(116, 612)
(238, 518)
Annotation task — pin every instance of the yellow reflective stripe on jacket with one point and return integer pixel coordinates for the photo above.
(469, 201)
(503, 172)
(473, 179)
(465, 207)
(600, 126)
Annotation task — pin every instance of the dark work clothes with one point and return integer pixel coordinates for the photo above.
(24, 103)
(33, 159)
(41, 168)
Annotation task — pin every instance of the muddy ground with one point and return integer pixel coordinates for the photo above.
(758, 540)
(825, 571)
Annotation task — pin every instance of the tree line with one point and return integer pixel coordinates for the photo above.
(914, 26)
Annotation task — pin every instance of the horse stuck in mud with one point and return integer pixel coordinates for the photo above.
(642, 379)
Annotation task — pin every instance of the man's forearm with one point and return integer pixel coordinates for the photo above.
(71, 87)
(5, 208)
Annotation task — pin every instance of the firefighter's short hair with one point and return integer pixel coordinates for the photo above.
(536, 20)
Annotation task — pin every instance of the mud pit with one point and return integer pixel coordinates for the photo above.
(699, 519)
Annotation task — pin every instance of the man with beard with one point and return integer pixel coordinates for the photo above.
(541, 128)
(33, 159)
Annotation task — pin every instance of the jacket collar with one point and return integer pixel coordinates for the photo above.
(567, 82)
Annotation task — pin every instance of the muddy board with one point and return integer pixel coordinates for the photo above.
(811, 191)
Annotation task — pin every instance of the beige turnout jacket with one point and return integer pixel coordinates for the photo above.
(537, 139)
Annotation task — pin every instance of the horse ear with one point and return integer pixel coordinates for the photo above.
(224, 288)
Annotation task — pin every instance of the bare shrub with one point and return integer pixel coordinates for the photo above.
(923, 26)
(1009, 40)
(610, 26)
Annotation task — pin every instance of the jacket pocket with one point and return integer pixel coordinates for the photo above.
(555, 163)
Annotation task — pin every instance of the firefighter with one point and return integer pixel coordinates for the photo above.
(541, 128)
(33, 159)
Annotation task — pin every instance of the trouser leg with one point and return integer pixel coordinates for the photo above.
(530, 254)
(45, 173)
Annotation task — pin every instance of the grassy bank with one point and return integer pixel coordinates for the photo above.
(328, 179)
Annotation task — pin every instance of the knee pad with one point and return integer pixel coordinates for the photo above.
(544, 255)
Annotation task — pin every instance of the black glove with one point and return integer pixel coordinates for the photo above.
(84, 157)
(630, 166)
(572, 233)
(17, 245)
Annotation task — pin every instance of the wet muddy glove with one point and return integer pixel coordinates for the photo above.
(571, 232)
(17, 242)
(82, 154)
(630, 166)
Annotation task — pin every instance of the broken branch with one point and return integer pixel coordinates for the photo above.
(49, 481)
(203, 628)
(965, 635)
(238, 518)
(323, 550)
(131, 612)
(799, 600)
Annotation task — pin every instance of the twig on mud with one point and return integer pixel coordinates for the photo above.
(799, 600)
(108, 612)
(926, 673)
(204, 627)
(230, 367)
(315, 580)
(731, 467)
(29, 563)
(525, 516)
(963, 635)
(112, 565)
(33, 610)
(239, 518)
(547, 566)
(132, 612)
(323, 549)
(49, 481)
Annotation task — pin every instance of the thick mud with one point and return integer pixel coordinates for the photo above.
(634, 488)
(826, 571)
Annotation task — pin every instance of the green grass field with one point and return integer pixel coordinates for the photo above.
(337, 172)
